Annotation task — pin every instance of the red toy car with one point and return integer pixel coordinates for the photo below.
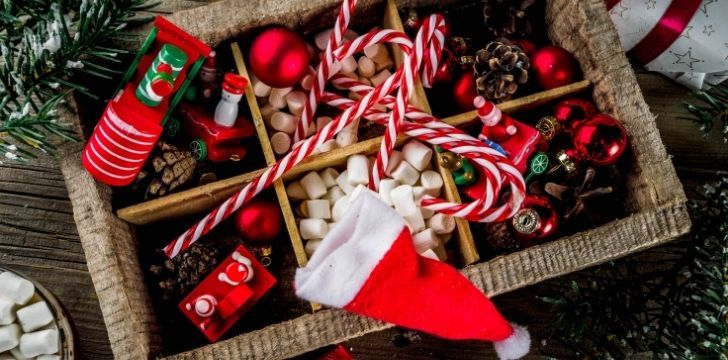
(227, 293)
(212, 141)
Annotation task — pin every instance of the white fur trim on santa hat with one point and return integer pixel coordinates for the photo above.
(347, 255)
(515, 346)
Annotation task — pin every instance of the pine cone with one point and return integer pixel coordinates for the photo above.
(178, 276)
(500, 238)
(167, 169)
(499, 69)
(507, 18)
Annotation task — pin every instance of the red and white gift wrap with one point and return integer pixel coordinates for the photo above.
(687, 40)
(367, 265)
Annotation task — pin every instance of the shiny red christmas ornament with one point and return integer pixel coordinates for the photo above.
(600, 140)
(528, 46)
(553, 66)
(279, 57)
(535, 221)
(574, 110)
(259, 221)
(464, 90)
(447, 67)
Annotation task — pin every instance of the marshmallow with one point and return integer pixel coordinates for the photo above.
(415, 222)
(35, 316)
(384, 64)
(348, 65)
(16, 288)
(329, 176)
(334, 194)
(366, 67)
(285, 122)
(385, 188)
(357, 167)
(267, 112)
(307, 82)
(343, 181)
(394, 161)
(296, 100)
(322, 121)
(280, 142)
(318, 209)
(427, 213)
(425, 240)
(430, 254)
(277, 97)
(403, 200)
(311, 129)
(48, 357)
(311, 246)
(39, 342)
(406, 173)
(313, 185)
(340, 208)
(322, 38)
(260, 89)
(327, 146)
(9, 337)
(295, 191)
(7, 311)
(418, 191)
(302, 210)
(376, 52)
(380, 77)
(432, 182)
(417, 154)
(444, 238)
(365, 81)
(313, 228)
(441, 224)
(17, 354)
(345, 138)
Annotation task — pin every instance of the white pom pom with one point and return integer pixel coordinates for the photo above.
(515, 346)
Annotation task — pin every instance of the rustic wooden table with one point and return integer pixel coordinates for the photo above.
(38, 237)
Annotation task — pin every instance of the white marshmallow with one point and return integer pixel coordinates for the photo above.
(380, 77)
(340, 208)
(329, 176)
(313, 229)
(376, 52)
(426, 213)
(322, 121)
(9, 336)
(406, 174)
(260, 88)
(280, 142)
(343, 181)
(417, 154)
(345, 138)
(39, 342)
(403, 200)
(283, 121)
(322, 38)
(441, 224)
(267, 112)
(35, 316)
(365, 81)
(301, 210)
(357, 167)
(311, 129)
(432, 182)
(394, 161)
(296, 100)
(366, 67)
(307, 82)
(333, 194)
(430, 254)
(7, 311)
(48, 357)
(425, 240)
(318, 209)
(295, 191)
(358, 190)
(16, 288)
(311, 246)
(313, 185)
(415, 222)
(348, 65)
(385, 188)
(277, 97)
(444, 238)
(418, 191)
(17, 354)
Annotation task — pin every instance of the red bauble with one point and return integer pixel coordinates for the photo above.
(464, 90)
(259, 221)
(553, 66)
(537, 220)
(446, 68)
(279, 57)
(600, 140)
(574, 110)
(527, 46)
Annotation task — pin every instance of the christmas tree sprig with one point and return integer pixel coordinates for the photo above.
(712, 110)
(45, 45)
(671, 302)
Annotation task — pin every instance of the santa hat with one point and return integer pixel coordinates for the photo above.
(367, 264)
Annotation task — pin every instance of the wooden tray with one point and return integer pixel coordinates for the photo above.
(655, 201)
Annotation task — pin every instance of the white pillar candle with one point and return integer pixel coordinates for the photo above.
(295, 191)
(280, 142)
(417, 154)
(16, 288)
(313, 185)
(296, 100)
(313, 229)
(35, 316)
(277, 97)
(9, 336)
(380, 77)
(343, 181)
(318, 209)
(394, 161)
(385, 188)
(406, 173)
(432, 182)
(425, 240)
(39, 342)
(283, 121)
(329, 176)
(366, 67)
(441, 224)
(333, 194)
(7, 311)
(340, 208)
(357, 167)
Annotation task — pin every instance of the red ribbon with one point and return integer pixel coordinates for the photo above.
(672, 23)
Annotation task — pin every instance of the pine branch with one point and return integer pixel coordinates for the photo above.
(712, 109)
(45, 47)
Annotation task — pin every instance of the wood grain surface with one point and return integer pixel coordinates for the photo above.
(38, 237)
